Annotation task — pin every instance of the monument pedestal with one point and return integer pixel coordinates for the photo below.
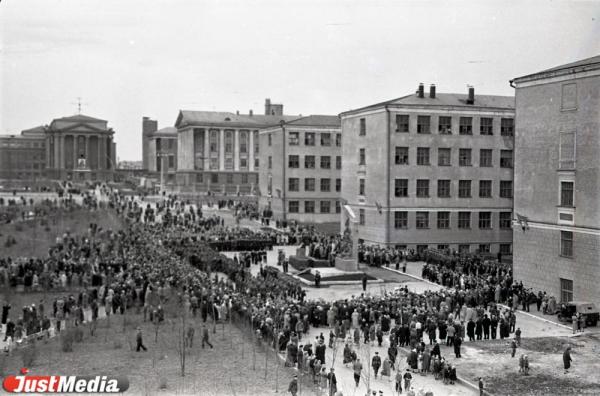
(346, 264)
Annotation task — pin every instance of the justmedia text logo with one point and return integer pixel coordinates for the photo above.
(64, 383)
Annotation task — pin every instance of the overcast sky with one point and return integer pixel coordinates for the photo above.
(129, 59)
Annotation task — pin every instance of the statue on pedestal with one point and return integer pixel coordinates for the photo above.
(346, 242)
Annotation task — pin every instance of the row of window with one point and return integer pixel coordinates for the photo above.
(422, 220)
(310, 139)
(215, 179)
(444, 188)
(310, 206)
(444, 157)
(227, 162)
(465, 125)
(310, 161)
(309, 184)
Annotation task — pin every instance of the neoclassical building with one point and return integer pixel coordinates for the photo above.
(80, 148)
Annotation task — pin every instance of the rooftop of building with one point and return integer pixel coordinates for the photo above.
(166, 131)
(317, 121)
(445, 100)
(225, 119)
(592, 63)
(78, 119)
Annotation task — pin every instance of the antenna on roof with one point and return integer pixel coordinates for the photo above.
(79, 104)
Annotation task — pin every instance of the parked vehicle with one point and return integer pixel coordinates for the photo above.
(585, 308)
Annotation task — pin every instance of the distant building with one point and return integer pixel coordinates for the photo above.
(76, 148)
(162, 153)
(300, 177)
(219, 151)
(148, 127)
(432, 171)
(557, 176)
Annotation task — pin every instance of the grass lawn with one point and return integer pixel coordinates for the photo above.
(33, 240)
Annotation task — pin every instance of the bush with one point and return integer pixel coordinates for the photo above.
(29, 355)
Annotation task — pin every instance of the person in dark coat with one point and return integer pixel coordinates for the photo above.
(293, 387)
(493, 327)
(478, 329)
(567, 359)
(364, 282)
(471, 330)
(457, 342)
(376, 363)
(486, 327)
(436, 350)
(332, 382)
(320, 352)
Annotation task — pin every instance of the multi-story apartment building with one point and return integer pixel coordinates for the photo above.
(432, 171)
(300, 178)
(219, 151)
(557, 180)
(23, 156)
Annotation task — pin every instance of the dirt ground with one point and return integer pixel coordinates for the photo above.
(492, 361)
(33, 240)
(233, 367)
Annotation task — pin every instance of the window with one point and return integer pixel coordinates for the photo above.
(422, 220)
(484, 248)
(566, 194)
(214, 141)
(402, 124)
(464, 249)
(229, 141)
(361, 186)
(270, 139)
(229, 178)
(293, 161)
(422, 155)
(309, 206)
(443, 220)
(569, 97)
(309, 184)
(361, 217)
(158, 145)
(443, 246)
(309, 161)
(485, 158)
(228, 163)
(243, 137)
(256, 142)
(199, 178)
(465, 126)
(566, 290)
(566, 243)
(506, 189)
(325, 207)
(294, 138)
(445, 125)
(325, 139)
(486, 126)
(506, 158)
(485, 220)
(325, 185)
(507, 127)
(214, 178)
(422, 188)
(423, 124)
(421, 248)
(338, 185)
(464, 220)
(400, 220)
(361, 157)
(338, 207)
(505, 248)
(401, 155)
(325, 162)
(338, 140)
(505, 220)
(244, 178)
(293, 206)
(309, 138)
(293, 184)
(270, 162)
(444, 157)
(338, 162)
(171, 161)
(464, 157)
(256, 163)
(401, 187)
(443, 188)
(485, 189)
(464, 188)
(363, 127)
(567, 152)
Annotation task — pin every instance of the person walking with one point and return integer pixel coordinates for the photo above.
(357, 369)
(364, 282)
(513, 347)
(398, 382)
(205, 338)
(376, 363)
(518, 336)
(293, 386)
(567, 359)
(407, 379)
(480, 386)
(139, 340)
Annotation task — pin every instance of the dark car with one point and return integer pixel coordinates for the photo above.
(585, 308)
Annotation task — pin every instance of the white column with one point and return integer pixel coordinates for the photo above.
(206, 150)
(87, 151)
(236, 150)
(75, 150)
(251, 151)
(221, 149)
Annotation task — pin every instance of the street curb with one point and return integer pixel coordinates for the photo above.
(411, 275)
